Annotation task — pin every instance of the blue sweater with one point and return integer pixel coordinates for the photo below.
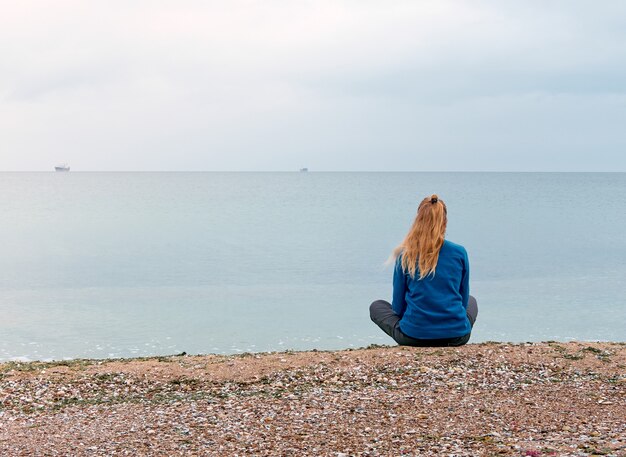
(434, 307)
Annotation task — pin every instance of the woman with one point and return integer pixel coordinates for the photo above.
(431, 303)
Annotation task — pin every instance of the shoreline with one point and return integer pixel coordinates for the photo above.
(94, 360)
(538, 399)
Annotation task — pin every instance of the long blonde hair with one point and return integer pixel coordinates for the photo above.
(421, 246)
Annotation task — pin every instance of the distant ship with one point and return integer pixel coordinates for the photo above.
(304, 170)
(62, 167)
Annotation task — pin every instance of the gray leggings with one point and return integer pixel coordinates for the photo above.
(383, 316)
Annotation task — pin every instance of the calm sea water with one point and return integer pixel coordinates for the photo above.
(133, 264)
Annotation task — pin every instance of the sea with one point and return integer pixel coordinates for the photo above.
(108, 265)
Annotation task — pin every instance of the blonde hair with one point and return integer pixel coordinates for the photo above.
(421, 246)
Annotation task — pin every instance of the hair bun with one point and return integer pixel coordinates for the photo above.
(434, 199)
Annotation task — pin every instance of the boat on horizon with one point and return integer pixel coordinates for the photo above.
(303, 170)
(62, 167)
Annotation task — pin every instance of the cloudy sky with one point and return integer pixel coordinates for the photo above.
(413, 85)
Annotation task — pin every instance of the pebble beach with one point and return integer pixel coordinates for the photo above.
(491, 399)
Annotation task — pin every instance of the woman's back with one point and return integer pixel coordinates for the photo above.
(435, 306)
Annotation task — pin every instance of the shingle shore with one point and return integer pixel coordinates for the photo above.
(542, 399)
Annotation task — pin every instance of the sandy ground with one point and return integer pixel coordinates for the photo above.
(543, 399)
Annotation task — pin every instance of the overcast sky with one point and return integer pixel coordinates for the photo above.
(414, 85)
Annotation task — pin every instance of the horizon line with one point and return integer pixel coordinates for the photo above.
(314, 171)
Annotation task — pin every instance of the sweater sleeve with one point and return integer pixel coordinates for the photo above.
(464, 290)
(398, 303)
